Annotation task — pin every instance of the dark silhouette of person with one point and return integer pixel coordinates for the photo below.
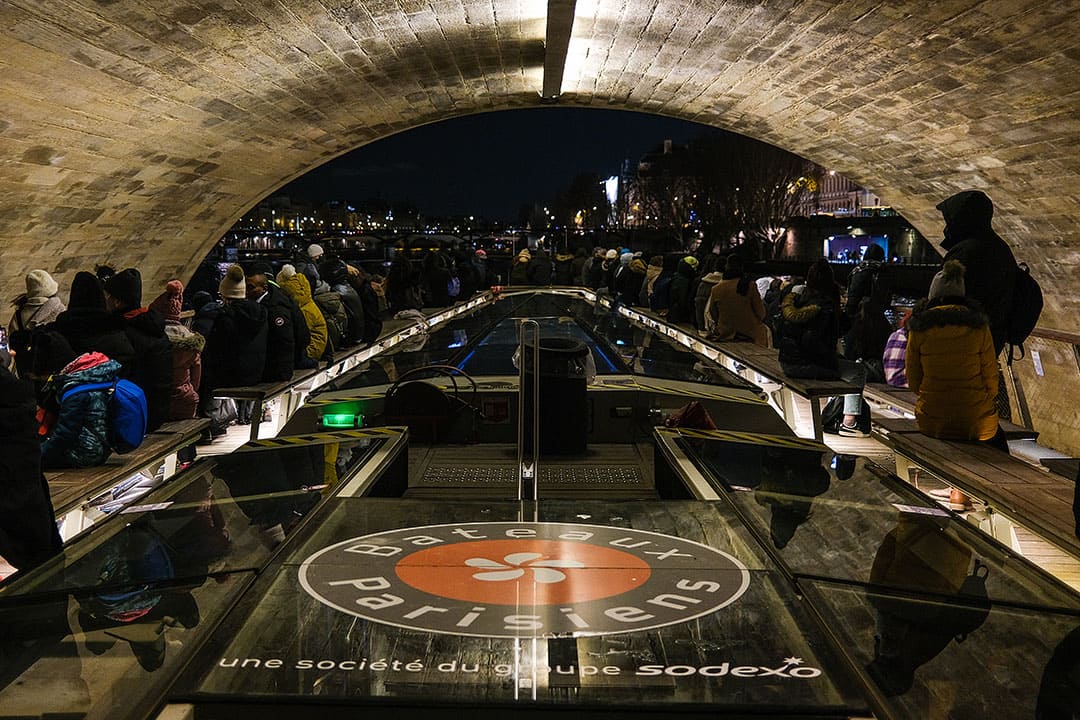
(988, 260)
(1059, 691)
(790, 480)
(28, 535)
(921, 556)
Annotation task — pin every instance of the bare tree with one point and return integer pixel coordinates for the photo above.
(744, 185)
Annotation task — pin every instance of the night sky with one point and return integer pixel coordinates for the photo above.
(488, 165)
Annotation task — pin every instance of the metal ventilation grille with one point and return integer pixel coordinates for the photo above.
(584, 477)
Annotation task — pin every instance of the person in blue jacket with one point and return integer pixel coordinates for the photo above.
(79, 437)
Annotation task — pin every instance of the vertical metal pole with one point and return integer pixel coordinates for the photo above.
(528, 472)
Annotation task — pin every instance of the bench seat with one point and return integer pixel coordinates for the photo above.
(766, 363)
(73, 489)
(1027, 495)
(904, 400)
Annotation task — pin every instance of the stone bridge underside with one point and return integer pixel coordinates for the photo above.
(137, 131)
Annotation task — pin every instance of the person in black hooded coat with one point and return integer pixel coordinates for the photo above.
(288, 335)
(336, 274)
(89, 327)
(989, 262)
(145, 328)
(28, 533)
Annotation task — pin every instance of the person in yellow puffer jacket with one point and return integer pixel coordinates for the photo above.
(297, 287)
(951, 364)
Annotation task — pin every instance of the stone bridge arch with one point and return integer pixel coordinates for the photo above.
(137, 132)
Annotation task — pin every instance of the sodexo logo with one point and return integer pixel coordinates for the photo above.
(523, 579)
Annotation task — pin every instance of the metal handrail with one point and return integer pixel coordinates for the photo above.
(528, 473)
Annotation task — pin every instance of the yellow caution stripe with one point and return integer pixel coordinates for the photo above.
(748, 438)
(378, 432)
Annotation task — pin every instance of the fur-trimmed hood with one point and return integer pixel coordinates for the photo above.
(945, 311)
(184, 339)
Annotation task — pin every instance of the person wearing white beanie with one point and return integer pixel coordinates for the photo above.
(951, 364)
(39, 305)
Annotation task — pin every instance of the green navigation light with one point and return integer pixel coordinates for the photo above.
(341, 420)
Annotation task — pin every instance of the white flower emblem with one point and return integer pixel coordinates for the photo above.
(515, 564)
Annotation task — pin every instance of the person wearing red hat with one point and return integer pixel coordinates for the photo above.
(187, 347)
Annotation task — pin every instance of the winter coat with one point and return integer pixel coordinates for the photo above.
(436, 271)
(869, 294)
(577, 267)
(334, 315)
(564, 269)
(701, 299)
(519, 270)
(280, 335)
(482, 274)
(610, 268)
(354, 310)
(28, 533)
(27, 316)
(91, 329)
(870, 279)
(80, 436)
(593, 273)
(187, 350)
(952, 366)
(297, 288)
(630, 282)
(807, 335)
(153, 367)
(205, 316)
(402, 285)
(336, 274)
(467, 277)
(732, 316)
(988, 261)
(645, 296)
(235, 351)
(540, 269)
(681, 305)
(369, 304)
(301, 332)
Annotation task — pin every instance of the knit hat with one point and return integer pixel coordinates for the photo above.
(126, 287)
(611, 254)
(949, 281)
(691, 261)
(86, 292)
(625, 258)
(39, 287)
(169, 303)
(481, 254)
(286, 272)
(315, 251)
(232, 285)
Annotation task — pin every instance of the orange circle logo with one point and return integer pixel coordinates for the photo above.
(532, 571)
(523, 579)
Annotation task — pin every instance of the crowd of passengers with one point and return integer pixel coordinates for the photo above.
(257, 325)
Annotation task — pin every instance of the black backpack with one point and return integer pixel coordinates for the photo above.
(1027, 305)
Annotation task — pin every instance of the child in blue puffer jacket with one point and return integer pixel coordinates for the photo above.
(79, 437)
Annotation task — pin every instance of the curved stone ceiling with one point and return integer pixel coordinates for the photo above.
(137, 131)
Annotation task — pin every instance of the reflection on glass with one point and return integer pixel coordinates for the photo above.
(1059, 691)
(920, 554)
(788, 484)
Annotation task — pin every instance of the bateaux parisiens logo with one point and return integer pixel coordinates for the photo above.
(523, 579)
